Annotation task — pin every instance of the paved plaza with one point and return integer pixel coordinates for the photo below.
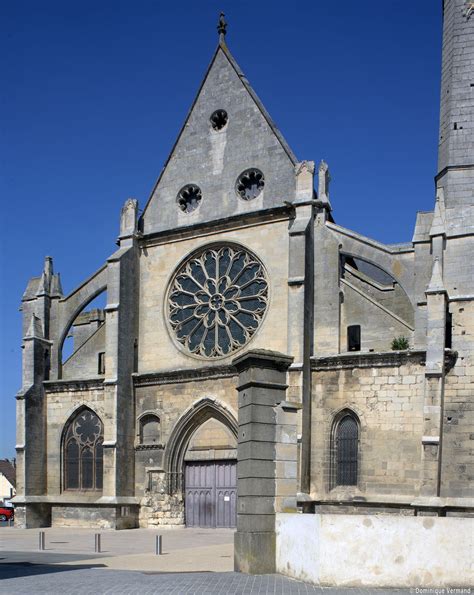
(193, 561)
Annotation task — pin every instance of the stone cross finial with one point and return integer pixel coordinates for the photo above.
(222, 27)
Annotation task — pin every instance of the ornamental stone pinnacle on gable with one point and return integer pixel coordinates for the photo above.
(436, 284)
(438, 226)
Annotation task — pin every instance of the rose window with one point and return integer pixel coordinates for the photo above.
(217, 300)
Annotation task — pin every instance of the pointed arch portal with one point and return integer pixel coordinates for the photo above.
(183, 431)
(209, 487)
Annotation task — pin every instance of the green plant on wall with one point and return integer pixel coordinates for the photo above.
(400, 344)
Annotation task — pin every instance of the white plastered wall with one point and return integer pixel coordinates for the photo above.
(376, 550)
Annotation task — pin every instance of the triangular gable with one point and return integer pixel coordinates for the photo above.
(213, 160)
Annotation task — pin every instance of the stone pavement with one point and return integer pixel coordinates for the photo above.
(68, 580)
(194, 561)
(184, 550)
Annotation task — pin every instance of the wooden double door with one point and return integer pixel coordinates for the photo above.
(210, 493)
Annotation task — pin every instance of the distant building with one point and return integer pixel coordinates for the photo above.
(238, 248)
(7, 479)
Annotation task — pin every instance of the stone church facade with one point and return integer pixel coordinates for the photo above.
(238, 248)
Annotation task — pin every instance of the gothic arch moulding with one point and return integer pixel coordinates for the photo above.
(183, 430)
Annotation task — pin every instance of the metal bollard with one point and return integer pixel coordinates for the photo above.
(97, 543)
(158, 546)
(41, 540)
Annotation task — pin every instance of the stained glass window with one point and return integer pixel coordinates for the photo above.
(83, 452)
(217, 300)
(345, 448)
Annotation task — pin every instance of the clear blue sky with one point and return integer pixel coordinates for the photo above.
(95, 92)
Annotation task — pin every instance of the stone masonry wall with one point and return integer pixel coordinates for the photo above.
(214, 159)
(84, 363)
(161, 509)
(457, 479)
(169, 402)
(157, 350)
(395, 299)
(61, 404)
(389, 404)
(81, 516)
(377, 328)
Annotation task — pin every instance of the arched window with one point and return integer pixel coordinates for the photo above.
(83, 452)
(344, 450)
(150, 430)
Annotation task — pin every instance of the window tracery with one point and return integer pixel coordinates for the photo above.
(189, 198)
(250, 184)
(219, 119)
(83, 452)
(217, 300)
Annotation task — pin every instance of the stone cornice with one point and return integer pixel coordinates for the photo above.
(263, 358)
(60, 386)
(149, 447)
(184, 375)
(77, 499)
(368, 360)
(435, 504)
(384, 359)
(212, 227)
(448, 168)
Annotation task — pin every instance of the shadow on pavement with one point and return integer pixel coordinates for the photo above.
(18, 569)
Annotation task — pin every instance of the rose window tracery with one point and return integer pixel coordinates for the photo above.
(217, 300)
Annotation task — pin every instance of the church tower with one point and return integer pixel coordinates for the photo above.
(455, 176)
(450, 305)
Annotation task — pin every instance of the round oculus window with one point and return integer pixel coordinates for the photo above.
(217, 300)
(250, 184)
(189, 198)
